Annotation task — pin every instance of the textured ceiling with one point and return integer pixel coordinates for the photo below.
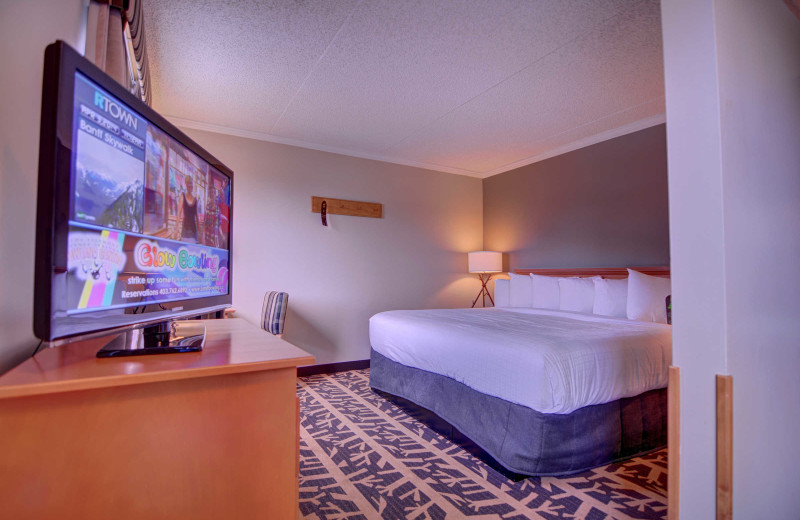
(475, 87)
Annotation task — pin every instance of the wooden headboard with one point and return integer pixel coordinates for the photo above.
(605, 272)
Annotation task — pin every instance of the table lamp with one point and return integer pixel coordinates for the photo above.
(484, 263)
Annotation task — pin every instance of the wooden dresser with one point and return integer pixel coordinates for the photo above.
(212, 434)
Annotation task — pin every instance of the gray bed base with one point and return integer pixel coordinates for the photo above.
(526, 441)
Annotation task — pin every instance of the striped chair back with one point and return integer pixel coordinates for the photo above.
(273, 312)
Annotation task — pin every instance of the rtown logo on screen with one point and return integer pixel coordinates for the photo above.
(112, 108)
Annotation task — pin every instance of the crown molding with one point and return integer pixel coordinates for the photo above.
(263, 136)
(569, 147)
(581, 143)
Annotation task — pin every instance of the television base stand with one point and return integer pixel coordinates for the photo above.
(162, 338)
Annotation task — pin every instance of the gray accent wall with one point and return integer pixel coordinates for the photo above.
(600, 206)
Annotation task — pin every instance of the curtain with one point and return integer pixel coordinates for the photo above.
(137, 50)
(105, 41)
(115, 42)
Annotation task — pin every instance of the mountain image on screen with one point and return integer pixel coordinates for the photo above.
(105, 201)
(125, 212)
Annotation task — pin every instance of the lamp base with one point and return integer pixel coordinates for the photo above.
(484, 278)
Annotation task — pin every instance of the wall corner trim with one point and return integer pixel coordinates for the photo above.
(673, 441)
(724, 447)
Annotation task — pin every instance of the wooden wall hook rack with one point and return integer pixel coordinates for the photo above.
(353, 208)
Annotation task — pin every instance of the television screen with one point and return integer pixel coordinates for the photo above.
(148, 211)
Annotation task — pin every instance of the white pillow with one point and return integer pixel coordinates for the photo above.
(546, 293)
(647, 297)
(520, 293)
(577, 294)
(502, 294)
(611, 297)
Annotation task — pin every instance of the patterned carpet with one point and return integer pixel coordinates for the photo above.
(362, 458)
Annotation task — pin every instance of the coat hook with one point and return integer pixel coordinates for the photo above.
(324, 212)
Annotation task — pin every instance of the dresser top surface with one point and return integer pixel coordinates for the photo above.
(232, 346)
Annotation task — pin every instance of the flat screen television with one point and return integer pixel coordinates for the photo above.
(134, 218)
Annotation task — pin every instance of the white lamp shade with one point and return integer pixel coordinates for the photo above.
(485, 262)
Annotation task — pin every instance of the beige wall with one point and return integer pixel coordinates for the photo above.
(26, 28)
(415, 257)
(733, 103)
(339, 276)
(759, 61)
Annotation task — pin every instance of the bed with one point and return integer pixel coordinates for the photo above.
(543, 391)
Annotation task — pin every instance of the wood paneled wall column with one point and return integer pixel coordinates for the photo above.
(673, 441)
(724, 447)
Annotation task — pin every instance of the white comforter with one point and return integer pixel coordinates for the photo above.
(550, 361)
